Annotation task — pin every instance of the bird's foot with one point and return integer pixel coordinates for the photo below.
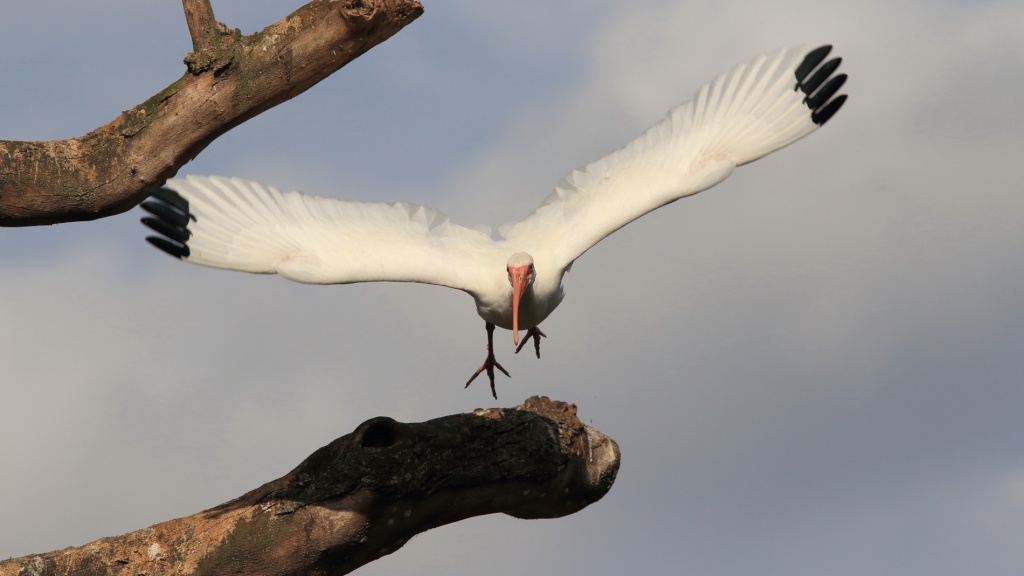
(536, 334)
(489, 365)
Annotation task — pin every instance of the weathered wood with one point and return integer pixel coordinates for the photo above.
(366, 494)
(230, 79)
(202, 25)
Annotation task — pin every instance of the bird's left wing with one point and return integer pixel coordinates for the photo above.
(243, 225)
(757, 108)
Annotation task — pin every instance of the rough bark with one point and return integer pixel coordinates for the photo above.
(366, 494)
(229, 79)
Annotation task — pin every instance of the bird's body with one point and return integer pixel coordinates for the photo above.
(516, 281)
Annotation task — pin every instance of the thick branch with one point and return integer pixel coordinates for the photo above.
(366, 494)
(230, 79)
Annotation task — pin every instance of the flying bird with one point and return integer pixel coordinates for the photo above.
(756, 108)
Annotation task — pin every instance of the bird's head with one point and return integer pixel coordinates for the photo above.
(521, 274)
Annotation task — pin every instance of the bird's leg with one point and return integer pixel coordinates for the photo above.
(489, 363)
(536, 334)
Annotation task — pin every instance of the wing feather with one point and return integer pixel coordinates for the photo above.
(756, 108)
(243, 225)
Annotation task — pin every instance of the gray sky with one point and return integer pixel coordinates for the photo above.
(814, 368)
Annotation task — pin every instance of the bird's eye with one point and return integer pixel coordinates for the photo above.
(531, 267)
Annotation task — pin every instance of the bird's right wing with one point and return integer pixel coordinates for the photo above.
(243, 225)
(756, 108)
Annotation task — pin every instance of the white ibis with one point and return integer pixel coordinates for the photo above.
(756, 108)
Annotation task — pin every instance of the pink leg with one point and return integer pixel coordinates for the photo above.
(489, 363)
(536, 334)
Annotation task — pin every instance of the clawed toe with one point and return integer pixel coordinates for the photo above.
(488, 366)
(489, 363)
(536, 334)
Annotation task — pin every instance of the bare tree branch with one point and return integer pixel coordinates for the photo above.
(366, 494)
(230, 79)
(202, 25)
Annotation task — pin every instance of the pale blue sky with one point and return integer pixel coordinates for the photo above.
(813, 368)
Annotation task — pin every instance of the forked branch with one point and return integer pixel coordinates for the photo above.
(230, 79)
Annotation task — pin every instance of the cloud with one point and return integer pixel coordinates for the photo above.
(812, 367)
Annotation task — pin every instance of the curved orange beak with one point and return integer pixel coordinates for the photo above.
(520, 278)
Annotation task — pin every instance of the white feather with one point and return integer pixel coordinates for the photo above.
(243, 225)
(737, 118)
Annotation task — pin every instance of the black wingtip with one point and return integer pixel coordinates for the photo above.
(179, 234)
(822, 115)
(170, 197)
(175, 249)
(170, 218)
(811, 61)
(827, 91)
(167, 213)
(815, 80)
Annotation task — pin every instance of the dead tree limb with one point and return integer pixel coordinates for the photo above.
(230, 78)
(202, 25)
(366, 494)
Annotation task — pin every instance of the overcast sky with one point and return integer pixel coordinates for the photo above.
(814, 368)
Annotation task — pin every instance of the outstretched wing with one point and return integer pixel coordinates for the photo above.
(757, 108)
(242, 225)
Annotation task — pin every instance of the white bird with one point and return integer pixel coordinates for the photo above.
(756, 108)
